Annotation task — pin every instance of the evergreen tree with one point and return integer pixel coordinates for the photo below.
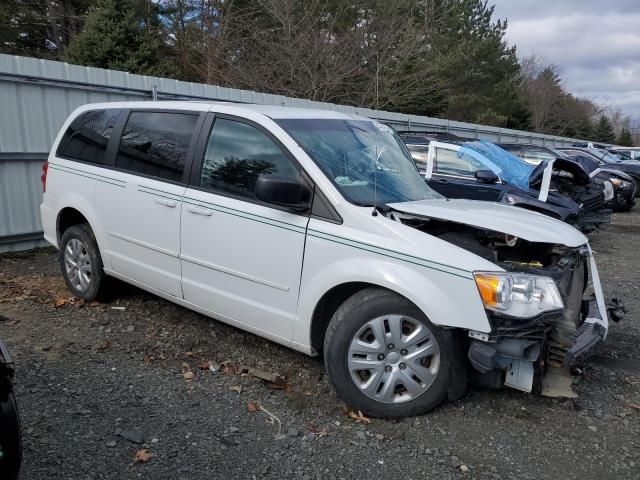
(123, 35)
(604, 131)
(40, 28)
(625, 140)
(477, 61)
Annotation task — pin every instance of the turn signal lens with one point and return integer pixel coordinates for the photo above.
(495, 290)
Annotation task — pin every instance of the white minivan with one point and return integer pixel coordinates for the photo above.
(314, 229)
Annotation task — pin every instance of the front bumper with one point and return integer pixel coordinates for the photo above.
(519, 351)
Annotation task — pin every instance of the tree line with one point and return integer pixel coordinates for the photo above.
(441, 58)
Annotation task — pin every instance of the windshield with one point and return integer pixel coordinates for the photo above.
(604, 155)
(365, 160)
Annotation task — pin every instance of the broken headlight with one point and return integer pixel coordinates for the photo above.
(620, 183)
(517, 294)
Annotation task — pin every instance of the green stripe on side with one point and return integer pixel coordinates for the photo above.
(259, 219)
(413, 257)
(390, 254)
(88, 175)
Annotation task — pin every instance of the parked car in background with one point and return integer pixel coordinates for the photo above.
(10, 435)
(483, 171)
(607, 160)
(620, 188)
(622, 155)
(628, 152)
(624, 186)
(314, 229)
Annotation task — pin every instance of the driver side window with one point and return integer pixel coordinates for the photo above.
(237, 154)
(447, 162)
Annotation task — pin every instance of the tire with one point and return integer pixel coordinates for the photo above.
(10, 437)
(350, 333)
(79, 246)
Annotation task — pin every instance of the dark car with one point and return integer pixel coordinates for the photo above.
(607, 160)
(622, 196)
(466, 176)
(624, 186)
(10, 441)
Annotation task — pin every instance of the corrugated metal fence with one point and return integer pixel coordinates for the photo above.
(36, 96)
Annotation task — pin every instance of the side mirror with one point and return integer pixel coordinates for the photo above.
(283, 191)
(486, 176)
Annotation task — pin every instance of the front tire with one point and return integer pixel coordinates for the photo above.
(384, 357)
(80, 262)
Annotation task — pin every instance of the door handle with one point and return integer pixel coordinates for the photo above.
(166, 203)
(200, 211)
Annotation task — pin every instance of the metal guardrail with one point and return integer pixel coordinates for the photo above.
(36, 96)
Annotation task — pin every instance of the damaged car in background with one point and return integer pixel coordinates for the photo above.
(332, 244)
(623, 186)
(481, 170)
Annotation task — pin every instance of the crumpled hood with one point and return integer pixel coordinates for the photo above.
(531, 226)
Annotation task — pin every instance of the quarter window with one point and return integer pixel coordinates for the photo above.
(87, 137)
(237, 154)
(156, 144)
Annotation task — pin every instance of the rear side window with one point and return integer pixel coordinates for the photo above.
(87, 137)
(237, 154)
(156, 144)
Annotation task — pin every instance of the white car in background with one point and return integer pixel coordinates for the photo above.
(314, 229)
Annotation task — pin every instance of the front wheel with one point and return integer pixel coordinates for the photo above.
(384, 357)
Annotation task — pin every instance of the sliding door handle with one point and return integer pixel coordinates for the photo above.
(166, 203)
(200, 211)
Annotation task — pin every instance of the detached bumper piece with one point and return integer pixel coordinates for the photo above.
(10, 439)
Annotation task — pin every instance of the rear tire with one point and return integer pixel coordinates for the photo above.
(80, 262)
(384, 357)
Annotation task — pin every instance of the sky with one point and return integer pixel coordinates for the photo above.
(595, 44)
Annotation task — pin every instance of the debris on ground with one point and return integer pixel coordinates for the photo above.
(357, 416)
(143, 455)
(272, 378)
(133, 435)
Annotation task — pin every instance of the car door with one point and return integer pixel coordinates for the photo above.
(453, 175)
(241, 258)
(140, 207)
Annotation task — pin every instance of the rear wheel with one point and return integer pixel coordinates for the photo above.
(80, 262)
(384, 357)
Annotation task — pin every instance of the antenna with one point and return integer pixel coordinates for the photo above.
(375, 165)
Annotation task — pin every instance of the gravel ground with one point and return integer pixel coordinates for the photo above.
(101, 384)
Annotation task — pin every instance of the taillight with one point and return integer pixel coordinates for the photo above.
(43, 177)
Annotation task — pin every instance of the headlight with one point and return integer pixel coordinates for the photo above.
(510, 199)
(620, 183)
(608, 190)
(518, 294)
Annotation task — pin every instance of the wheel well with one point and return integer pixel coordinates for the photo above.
(68, 217)
(327, 306)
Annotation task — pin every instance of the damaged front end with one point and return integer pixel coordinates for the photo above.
(532, 350)
(537, 353)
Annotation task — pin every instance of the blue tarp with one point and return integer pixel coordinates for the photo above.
(508, 167)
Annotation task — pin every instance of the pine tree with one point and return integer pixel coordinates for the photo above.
(625, 140)
(123, 35)
(604, 131)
